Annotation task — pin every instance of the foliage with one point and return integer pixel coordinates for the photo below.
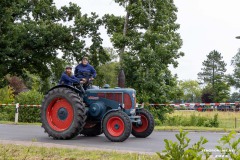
(222, 91)
(191, 90)
(7, 97)
(229, 147)
(107, 74)
(32, 81)
(235, 77)
(159, 113)
(213, 73)
(193, 120)
(29, 114)
(35, 33)
(147, 43)
(207, 94)
(16, 83)
(181, 150)
(235, 96)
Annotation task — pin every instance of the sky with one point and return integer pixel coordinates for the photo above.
(205, 25)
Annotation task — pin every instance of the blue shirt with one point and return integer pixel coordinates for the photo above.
(85, 71)
(68, 80)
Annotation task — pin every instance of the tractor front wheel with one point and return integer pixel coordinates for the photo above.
(147, 126)
(117, 126)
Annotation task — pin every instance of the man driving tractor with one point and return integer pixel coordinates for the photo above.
(84, 71)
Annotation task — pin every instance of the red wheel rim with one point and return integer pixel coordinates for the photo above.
(115, 126)
(55, 122)
(144, 125)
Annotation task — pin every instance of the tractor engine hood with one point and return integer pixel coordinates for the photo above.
(117, 97)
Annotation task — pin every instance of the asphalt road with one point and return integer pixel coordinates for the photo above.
(153, 143)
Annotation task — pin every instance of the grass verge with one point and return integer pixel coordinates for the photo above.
(20, 152)
(194, 128)
(20, 123)
(228, 120)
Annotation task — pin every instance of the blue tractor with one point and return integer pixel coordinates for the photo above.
(68, 111)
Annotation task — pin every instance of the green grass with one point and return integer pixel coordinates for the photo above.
(194, 128)
(20, 152)
(226, 119)
(20, 123)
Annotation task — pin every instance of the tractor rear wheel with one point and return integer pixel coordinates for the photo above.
(117, 126)
(63, 113)
(92, 129)
(147, 126)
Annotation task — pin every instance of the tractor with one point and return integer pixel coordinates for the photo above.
(68, 111)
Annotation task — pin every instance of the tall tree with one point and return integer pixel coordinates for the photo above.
(151, 43)
(213, 73)
(235, 97)
(107, 73)
(34, 32)
(191, 91)
(235, 77)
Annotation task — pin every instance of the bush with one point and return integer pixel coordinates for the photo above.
(228, 147)
(174, 150)
(6, 97)
(192, 121)
(29, 114)
(160, 113)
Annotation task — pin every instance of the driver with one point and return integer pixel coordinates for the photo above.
(67, 78)
(84, 71)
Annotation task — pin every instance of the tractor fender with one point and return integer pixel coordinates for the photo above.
(66, 86)
(109, 111)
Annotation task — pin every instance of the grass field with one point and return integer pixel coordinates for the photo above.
(227, 120)
(19, 152)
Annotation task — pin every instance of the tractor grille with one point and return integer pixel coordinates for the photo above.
(118, 98)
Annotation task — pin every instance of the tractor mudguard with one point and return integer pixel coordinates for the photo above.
(66, 86)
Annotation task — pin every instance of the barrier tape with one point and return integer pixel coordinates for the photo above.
(30, 105)
(151, 104)
(23, 105)
(11, 104)
(191, 104)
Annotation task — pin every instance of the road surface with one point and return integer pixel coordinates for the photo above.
(154, 143)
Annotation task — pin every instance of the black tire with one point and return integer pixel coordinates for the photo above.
(147, 126)
(92, 129)
(63, 113)
(117, 126)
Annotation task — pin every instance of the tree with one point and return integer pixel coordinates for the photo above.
(33, 33)
(16, 84)
(235, 97)
(191, 90)
(207, 94)
(147, 42)
(213, 73)
(235, 77)
(107, 74)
